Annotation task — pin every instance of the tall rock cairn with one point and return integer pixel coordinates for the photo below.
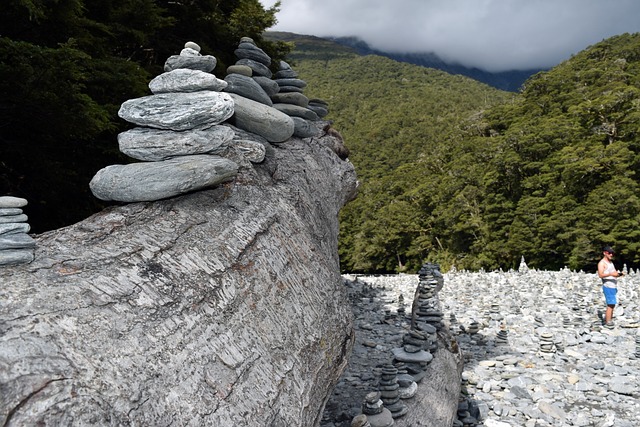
(16, 246)
(251, 78)
(177, 135)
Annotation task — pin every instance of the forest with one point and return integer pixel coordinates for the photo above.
(451, 170)
(462, 174)
(67, 66)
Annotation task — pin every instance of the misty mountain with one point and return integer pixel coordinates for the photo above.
(507, 80)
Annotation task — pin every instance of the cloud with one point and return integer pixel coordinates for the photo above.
(494, 35)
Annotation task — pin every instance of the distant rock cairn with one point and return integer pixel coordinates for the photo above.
(16, 246)
(181, 136)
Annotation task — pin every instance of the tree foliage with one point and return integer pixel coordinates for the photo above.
(66, 66)
(456, 172)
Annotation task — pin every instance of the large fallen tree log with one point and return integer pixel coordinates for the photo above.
(223, 307)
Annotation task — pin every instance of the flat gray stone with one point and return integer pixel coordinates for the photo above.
(257, 68)
(247, 87)
(294, 110)
(16, 256)
(295, 98)
(185, 80)
(16, 241)
(240, 69)
(304, 128)
(320, 111)
(291, 89)
(10, 211)
(418, 357)
(178, 111)
(286, 74)
(265, 121)
(14, 228)
(255, 54)
(203, 63)
(13, 218)
(268, 85)
(292, 82)
(12, 202)
(153, 145)
(149, 181)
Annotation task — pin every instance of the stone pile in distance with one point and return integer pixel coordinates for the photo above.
(16, 246)
(190, 122)
(399, 380)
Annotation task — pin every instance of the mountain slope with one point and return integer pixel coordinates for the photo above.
(460, 173)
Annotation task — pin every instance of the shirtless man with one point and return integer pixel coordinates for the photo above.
(609, 275)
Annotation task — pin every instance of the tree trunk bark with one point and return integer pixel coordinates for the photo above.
(222, 307)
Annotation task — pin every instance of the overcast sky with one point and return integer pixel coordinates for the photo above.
(494, 35)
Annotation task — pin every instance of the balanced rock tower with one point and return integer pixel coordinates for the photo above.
(16, 246)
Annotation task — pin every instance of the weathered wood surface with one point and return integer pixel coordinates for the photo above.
(222, 307)
(436, 401)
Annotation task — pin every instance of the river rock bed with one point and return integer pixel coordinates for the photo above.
(535, 351)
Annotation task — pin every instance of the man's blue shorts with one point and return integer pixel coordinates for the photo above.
(610, 295)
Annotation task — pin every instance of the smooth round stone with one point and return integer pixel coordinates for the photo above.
(16, 241)
(320, 111)
(14, 228)
(189, 52)
(149, 181)
(373, 398)
(296, 111)
(318, 101)
(247, 87)
(10, 211)
(383, 419)
(291, 89)
(269, 86)
(412, 348)
(418, 357)
(258, 68)
(16, 256)
(192, 45)
(292, 82)
(12, 202)
(409, 391)
(295, 98)
(262, 120)
(4, 219)
(203, 63)
(255, 54)
(286, 74)
(155, 144)
(487, 363)
(184, 80)
(179, 111)
(303, 128)
(240, 69)
(360, 421)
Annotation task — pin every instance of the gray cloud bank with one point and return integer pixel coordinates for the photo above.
(494, 35)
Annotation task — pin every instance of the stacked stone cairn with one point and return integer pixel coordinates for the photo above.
(178, 130)
(376, 414)
(408, 386)
(473, 328)
(16, 246)
(251, 78)
(426, 305)
(547, 344)
(502, 336)
(637, 354)
(190, 123)
(389, 391)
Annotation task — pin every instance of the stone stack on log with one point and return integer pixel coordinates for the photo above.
(291, 100)
(178, 131)
(250, 85)
(16, 246)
